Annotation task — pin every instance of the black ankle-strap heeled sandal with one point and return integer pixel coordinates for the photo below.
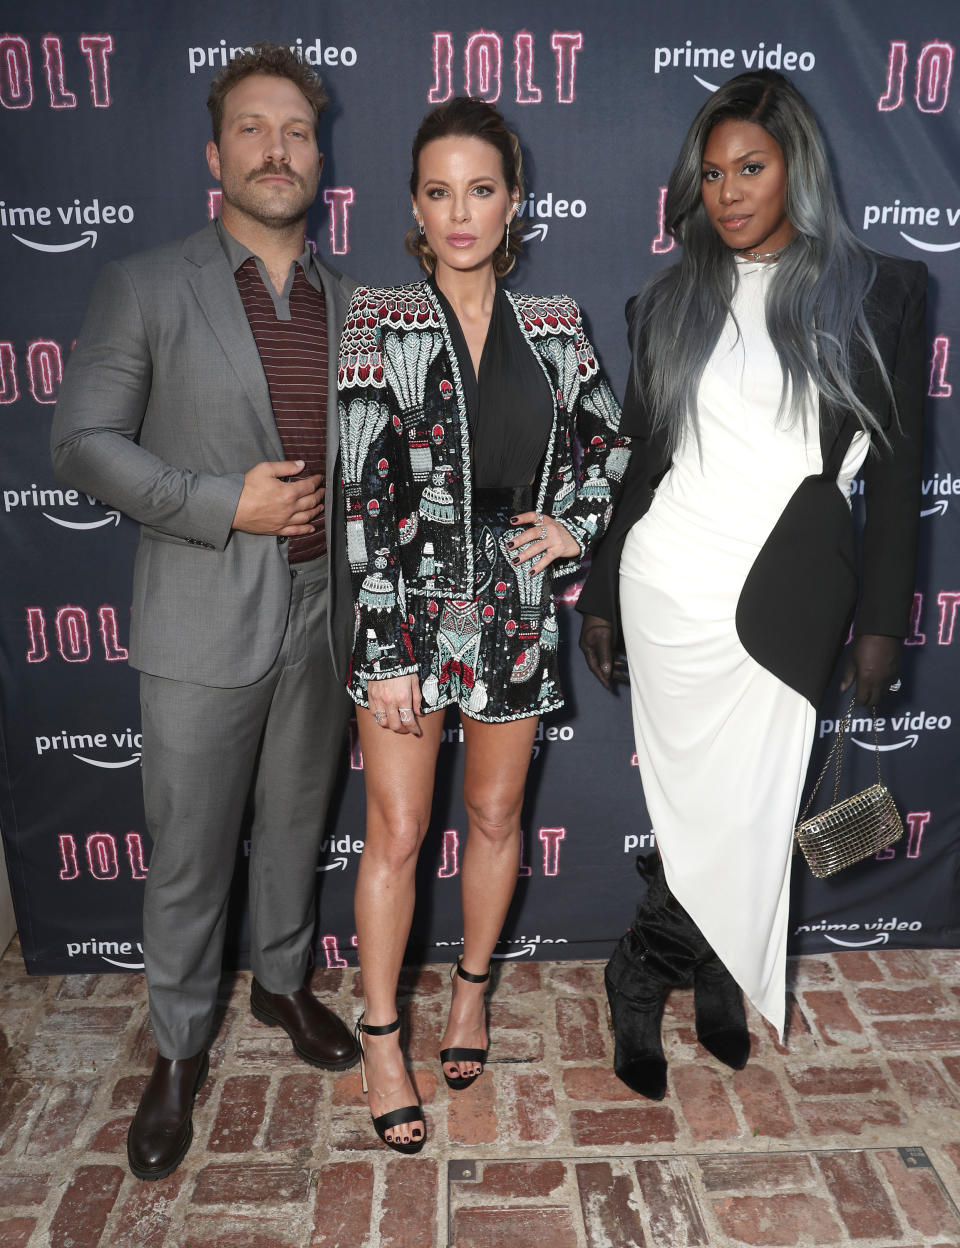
(394, 1117)
(458, 1082)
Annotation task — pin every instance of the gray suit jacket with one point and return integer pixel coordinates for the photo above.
(164, 406)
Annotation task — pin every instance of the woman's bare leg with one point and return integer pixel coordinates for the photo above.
(399, 776)
(497, 761)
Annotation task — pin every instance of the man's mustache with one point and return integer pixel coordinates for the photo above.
(282, 171)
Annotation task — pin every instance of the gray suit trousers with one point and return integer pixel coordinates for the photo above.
(278, 742)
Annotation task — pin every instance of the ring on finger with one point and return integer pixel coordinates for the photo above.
(406, 714)
(380, 716)
(543, 531)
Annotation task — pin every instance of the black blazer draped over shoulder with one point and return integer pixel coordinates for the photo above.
(800, 594)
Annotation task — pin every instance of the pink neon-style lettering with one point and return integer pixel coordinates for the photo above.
(68, 856)
(948, 601)
(138, 868)
(917, 821)
(214, 203)
(442, 88)
(664, 242)
(73, 634)
(331, 951)
(570, 594)
(356, 754)
(527, 92)
(550, 839)
(566, 45)
(338, 199)
(37, 632)
(102, 856)
(934, 71)
(483, 65)
(16, 82)
(44, 369)
(896, 69)
(915, 637)
(60, 97)
(9, 390)
(112, 650)
(939, 387)
(523, 871)
(96, 48)
(450, 863)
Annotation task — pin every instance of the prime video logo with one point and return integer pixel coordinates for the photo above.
(686, 56)
(862, 939)
(914, 217)
(219, 55)
(550, 206)
(111, 951)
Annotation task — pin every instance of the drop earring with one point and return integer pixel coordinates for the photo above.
(506, 242)
(422, 231)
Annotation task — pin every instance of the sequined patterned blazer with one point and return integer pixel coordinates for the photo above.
(405, 444)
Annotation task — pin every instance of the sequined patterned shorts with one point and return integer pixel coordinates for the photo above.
(494, 656)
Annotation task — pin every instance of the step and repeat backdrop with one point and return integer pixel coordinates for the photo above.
(102, 109)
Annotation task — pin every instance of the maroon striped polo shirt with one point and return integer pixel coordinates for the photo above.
(290, 331)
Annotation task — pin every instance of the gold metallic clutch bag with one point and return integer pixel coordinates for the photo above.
(851, 830)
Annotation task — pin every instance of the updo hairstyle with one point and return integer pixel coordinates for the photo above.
(464, 116)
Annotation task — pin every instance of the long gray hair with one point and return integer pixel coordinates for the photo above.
(815, 303)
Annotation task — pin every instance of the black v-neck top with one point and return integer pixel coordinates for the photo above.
(509, 405)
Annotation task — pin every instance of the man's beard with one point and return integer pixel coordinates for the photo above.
(276, 215)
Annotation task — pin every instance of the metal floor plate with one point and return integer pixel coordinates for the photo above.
(836, 1198)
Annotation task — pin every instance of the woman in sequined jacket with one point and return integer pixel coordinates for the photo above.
(460, 405)
(406, 451)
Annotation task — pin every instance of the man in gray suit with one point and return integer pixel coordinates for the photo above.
(201, 399)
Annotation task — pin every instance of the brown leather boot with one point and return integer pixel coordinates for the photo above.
(318, 1036)
(162, 1127)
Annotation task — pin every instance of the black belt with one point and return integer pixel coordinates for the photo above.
(512, 498)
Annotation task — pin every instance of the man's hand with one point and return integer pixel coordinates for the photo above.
(269, 504)
(874, 662)
(596, 642)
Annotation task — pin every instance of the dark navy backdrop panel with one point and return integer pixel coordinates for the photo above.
(103, 117)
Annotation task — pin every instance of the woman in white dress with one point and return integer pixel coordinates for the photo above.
(774, 361)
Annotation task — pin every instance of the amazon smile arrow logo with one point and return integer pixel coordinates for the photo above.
(112, 517)
(77, 216)
(859, 944)
(99, 762)
(88, 236)
(918, 242)
(338, 864)
(527, 951)
(910, 741)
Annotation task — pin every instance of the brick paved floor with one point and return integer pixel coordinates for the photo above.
(850, 1135)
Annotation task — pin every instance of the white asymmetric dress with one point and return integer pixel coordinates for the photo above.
(723, 744)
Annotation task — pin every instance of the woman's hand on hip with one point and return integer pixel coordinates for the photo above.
(873, 661)
(542, 541)
(395, 704)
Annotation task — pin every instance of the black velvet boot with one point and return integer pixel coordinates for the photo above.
(654, 956)
(720, 1017)
(721, 1021)
(637, 997)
